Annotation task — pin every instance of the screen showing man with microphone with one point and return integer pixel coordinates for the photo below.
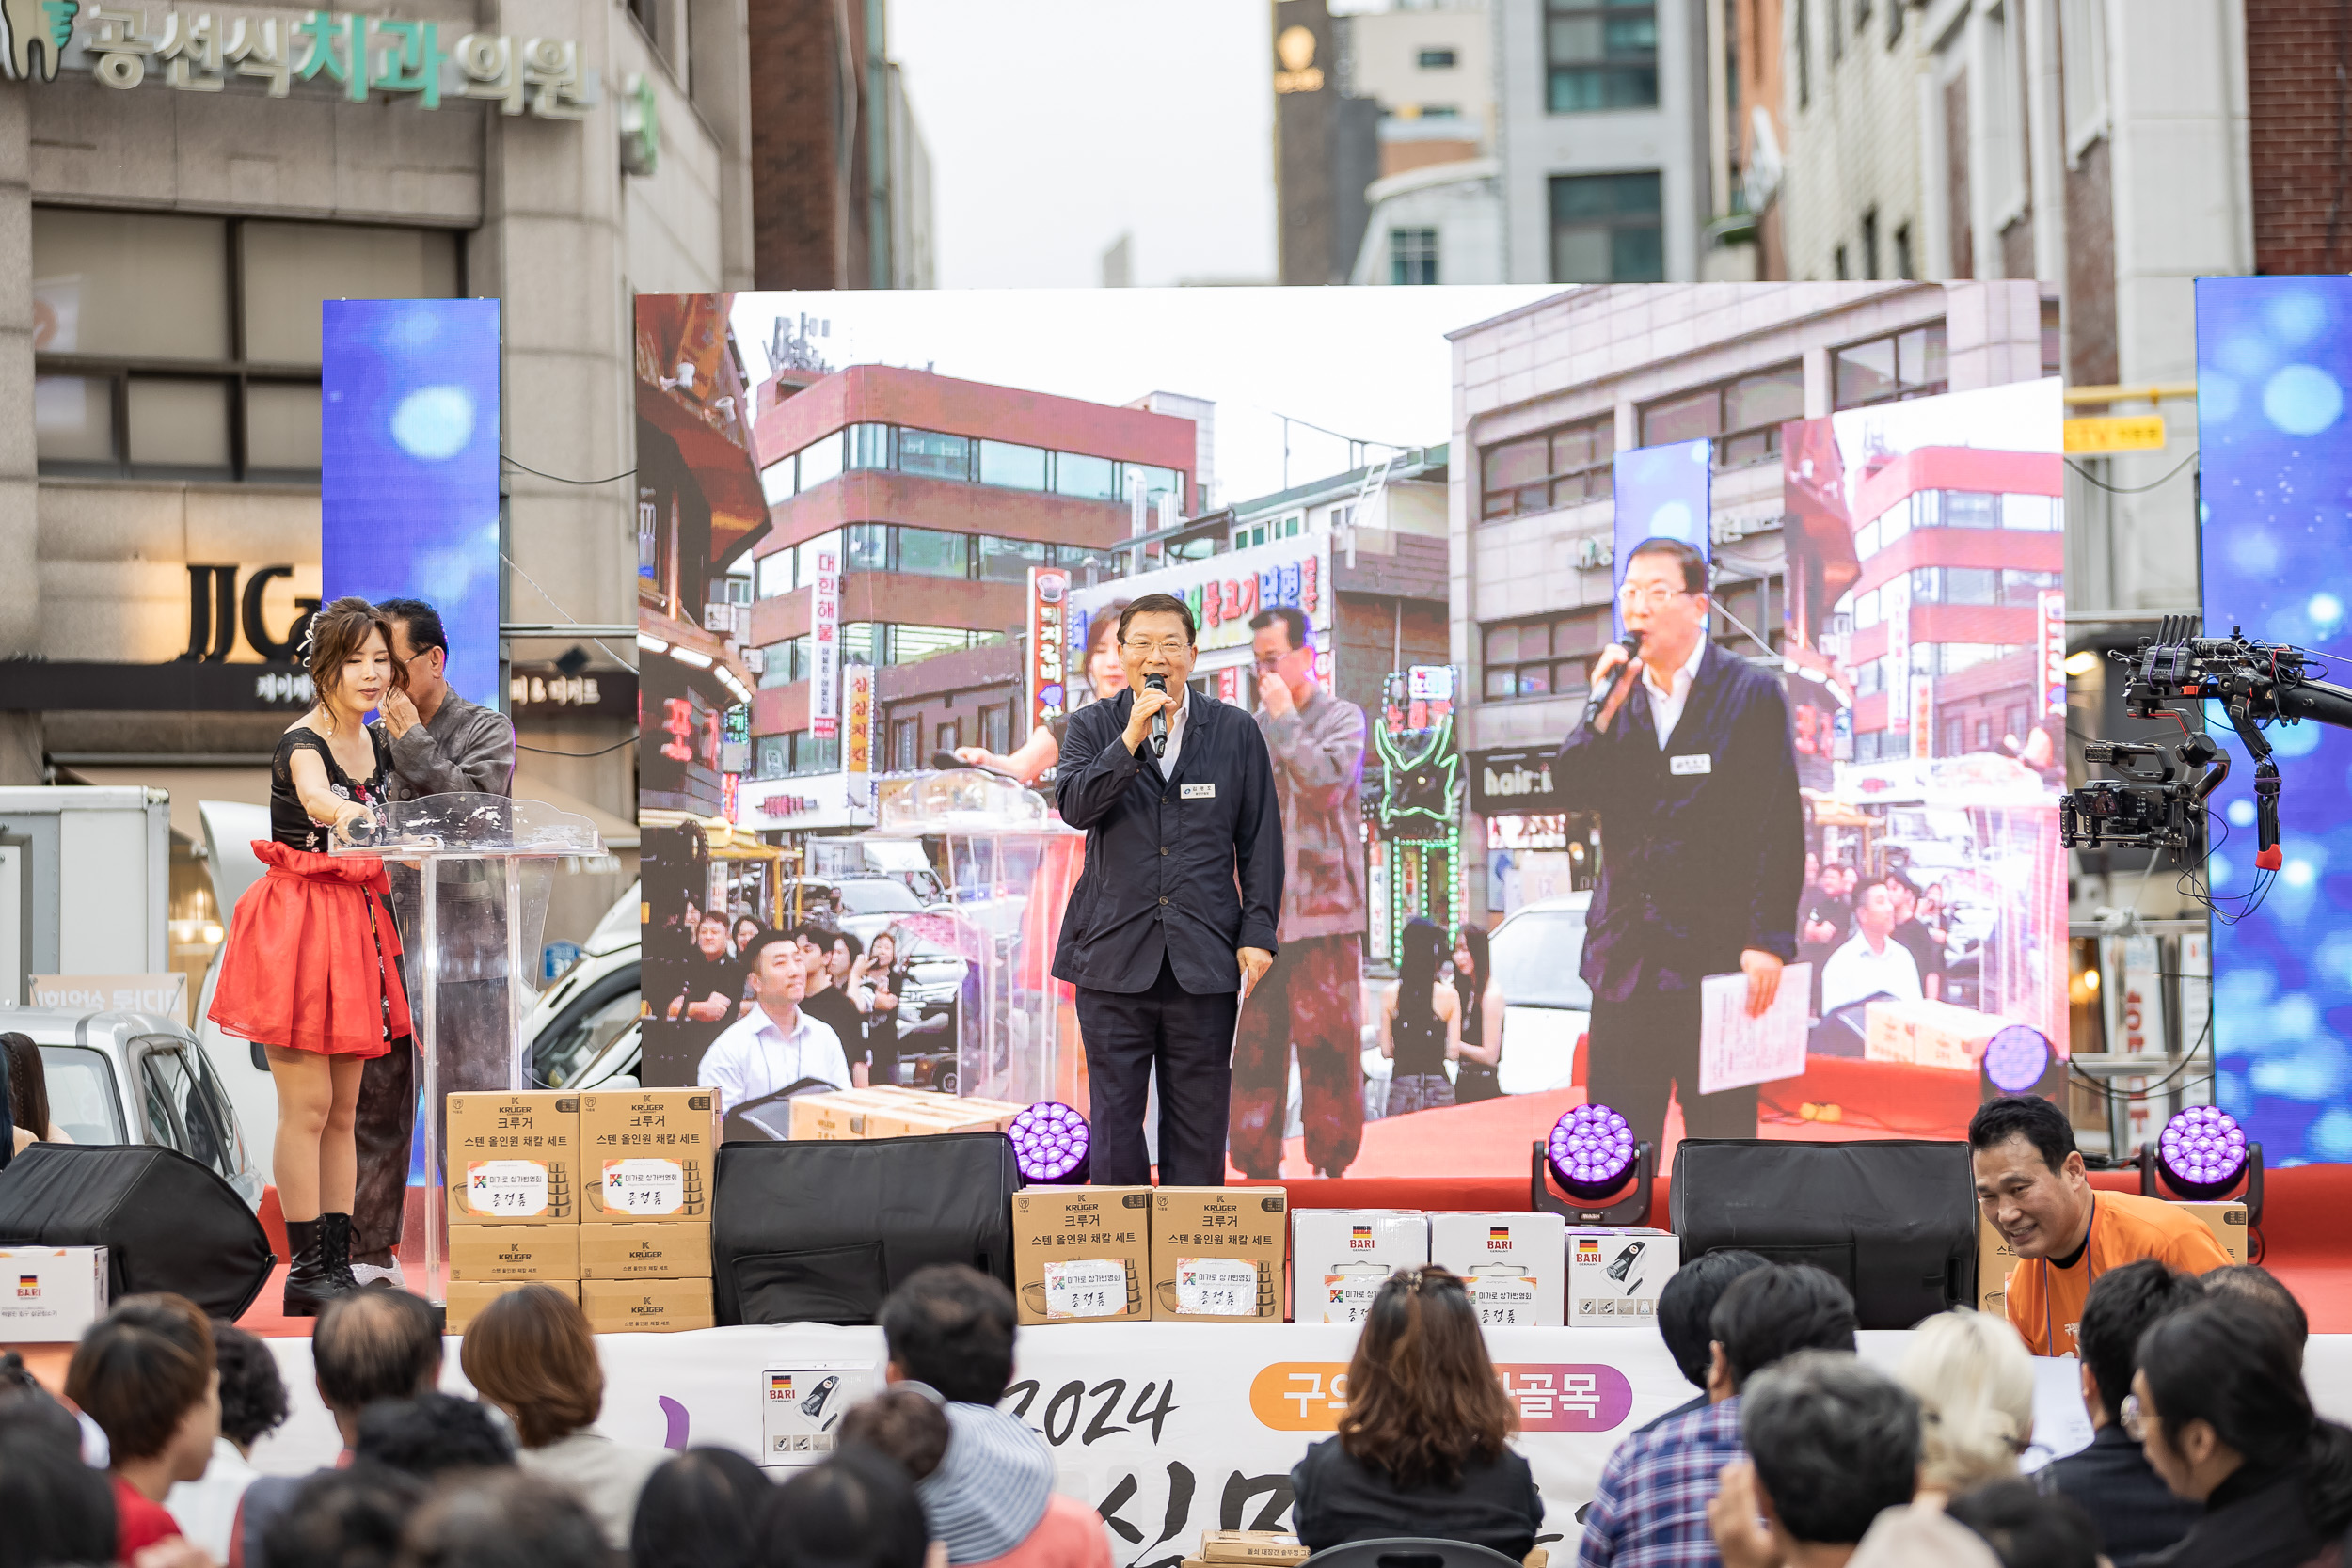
(1684, 753)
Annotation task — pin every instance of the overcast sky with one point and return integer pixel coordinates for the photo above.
(1370, 363)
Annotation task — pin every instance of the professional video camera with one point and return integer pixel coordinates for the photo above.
(2159, 803)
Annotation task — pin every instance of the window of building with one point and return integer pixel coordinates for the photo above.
(780, 481)
(1837, 33)
(814, 753)
(1743, 417)
(771, 757)
(1289, 526)
(866, 548)
(1890, 368)
(1838, 264)
(1087, 477)
(1750, 604)
(1605, 229)
(2083, 46)
(784, 662)
(1543, 657)
(2030, 514)
(930, 453)
(996, 727)
(1599, 56)
(1435, 60)
(1803, 39)
(2053, 339)
(1894, 9)
(188, 347)
(820, 460)
(1870, 244)
(1010, 560)
(906, 745)
(932, 552)
(1413, 256)
(1904, 266)
(947, 737)
(1440, 111)
(1087, 567)
(1016, 468)
(1558, 468)
(869, 446)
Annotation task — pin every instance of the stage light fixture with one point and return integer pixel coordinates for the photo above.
(1591, 1149)
(2016, 1057)
(2203, 1151)
(1051, 1144)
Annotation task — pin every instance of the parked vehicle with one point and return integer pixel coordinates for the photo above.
(1547, 1006)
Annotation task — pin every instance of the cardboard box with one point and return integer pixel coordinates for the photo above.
(1931, 1033)
(1516, 1265)
(887, 1111)
(803, 1407)
(1081, 1252)
(514, 1158)
(1340, 1257)
(467, 1297)
(1615, 1274)
(54, 1292)
(1252, 1545)
(648, 1155)
(525, 1252)
(647, 1306)
(1216, 1253)
(2227, 1221)
(661, 1250)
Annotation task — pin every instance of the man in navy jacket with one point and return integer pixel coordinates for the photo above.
(1173, 918)
(1702, 836)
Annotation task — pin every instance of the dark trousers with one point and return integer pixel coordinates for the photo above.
(1640, 1047)
(1311, 999)
(384, 1127)
(1189, 1039)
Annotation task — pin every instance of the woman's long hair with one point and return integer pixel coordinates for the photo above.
(1471, 939)
(2228, 1362)
(28, 1086)
(1423, 1399)
(1417, 971)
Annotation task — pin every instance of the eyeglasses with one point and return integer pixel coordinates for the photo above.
(1168, 647)
(1268, 663)
(1654, 594)
(2135, 1418)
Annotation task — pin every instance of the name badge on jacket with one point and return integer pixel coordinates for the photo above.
(1699, 762)
(1200, 792)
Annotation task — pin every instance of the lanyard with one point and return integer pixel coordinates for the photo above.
(2049, 1330)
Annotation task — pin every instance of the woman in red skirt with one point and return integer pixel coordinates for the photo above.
(309, 970)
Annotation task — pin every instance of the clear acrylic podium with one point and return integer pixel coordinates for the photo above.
(470, 875)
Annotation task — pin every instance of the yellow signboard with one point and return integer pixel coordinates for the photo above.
(2116, 432)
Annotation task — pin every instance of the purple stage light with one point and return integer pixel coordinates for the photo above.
(2203, 1151)
(2016, 1057)
(1590, 1150)
(1050, 1144)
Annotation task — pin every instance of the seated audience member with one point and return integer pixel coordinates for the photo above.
(1650, 1508)
(503, 1519)
(1684, 1306)
(29, 1411)
(531, 1353)
(252, 1401)
(2137, 1514)
(903, 1422)
(856, 1509)
(1974, 1383)
(1831, 1445)
(2224, 1417)
(349, 1518)
(2252, 1282)
(950, 1328)
(53, 1509)
(144, 1373)
(369, 1345)
(701, 1508)
(2027, 1529)
(2032, 1187)
(1423, 1448)
(433, 1434)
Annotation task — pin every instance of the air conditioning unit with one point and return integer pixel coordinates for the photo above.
(719, 618)
(735, 756)
(1595, 552)
(756, 660)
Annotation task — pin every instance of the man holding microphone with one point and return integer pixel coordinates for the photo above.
(1685, 754)
(1173, 918)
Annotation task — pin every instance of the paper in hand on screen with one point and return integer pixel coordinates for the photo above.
(1736, 1050)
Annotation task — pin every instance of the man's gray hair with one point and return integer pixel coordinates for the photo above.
(1834, 1442)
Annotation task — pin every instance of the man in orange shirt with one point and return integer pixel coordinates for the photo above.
(2030, 1185)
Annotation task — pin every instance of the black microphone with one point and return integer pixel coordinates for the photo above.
(1159, 719)
(1632, 643)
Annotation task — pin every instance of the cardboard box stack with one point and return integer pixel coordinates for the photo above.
(1994, 1258)
(1082, 1254)
(1615, 1274)
(514, 1196)
(891, 1111)
(1931, 1033)
(1340, 1257)
(1513, 1261)
(1216, 1253)
(645, 1243)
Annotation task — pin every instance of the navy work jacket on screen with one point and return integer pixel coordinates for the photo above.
(1702, 842)
(1188, 867)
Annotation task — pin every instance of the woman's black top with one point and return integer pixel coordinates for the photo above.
(2253, 1520)
(1473, 1081)
(1420, 1043)
(288, 824)
(1340, 1498)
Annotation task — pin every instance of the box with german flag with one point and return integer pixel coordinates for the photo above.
(1513, 1262)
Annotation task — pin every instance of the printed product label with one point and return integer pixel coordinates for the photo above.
(1349, 1292)
(1217, 1287)
(507, 1186)
(1503, 1300)
(649, 1187)
(1086, 1288)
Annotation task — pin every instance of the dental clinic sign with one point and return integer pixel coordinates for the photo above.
(359, 56)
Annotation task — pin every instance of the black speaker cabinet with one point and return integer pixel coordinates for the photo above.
(167, 1222)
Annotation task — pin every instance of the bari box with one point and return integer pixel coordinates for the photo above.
(54, 1293)
(648, 1154)
(1276, 1547)
(1614, 1275)
(541, 1253)
(467, 1297)
(1931, 1033)
(887, 1111)
(1216, 1253)
(656, 1251)
(647, 1306)
(1513, 1262)
(801, 1407)
(1340, 1257)
(1082, 1253)
(514, 1157)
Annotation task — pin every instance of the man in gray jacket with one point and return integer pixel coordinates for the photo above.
(442, 744)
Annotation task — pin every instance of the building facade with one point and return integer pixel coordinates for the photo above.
(1435, 214)
(1548, 395)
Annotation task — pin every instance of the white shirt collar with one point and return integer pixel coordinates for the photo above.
(1683, 677)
